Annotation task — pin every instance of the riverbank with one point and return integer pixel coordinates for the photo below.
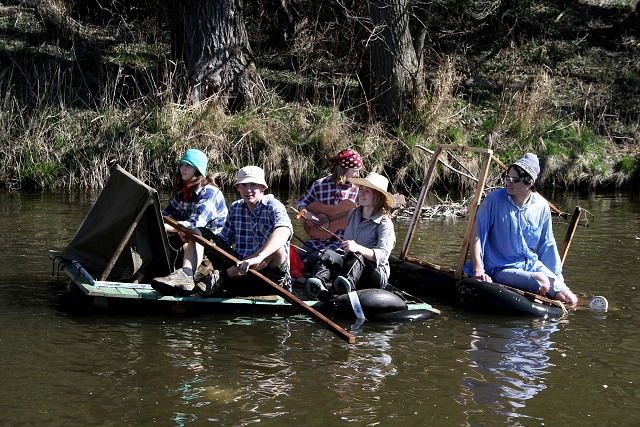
(570, 93)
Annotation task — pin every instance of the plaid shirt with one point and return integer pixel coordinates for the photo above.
(249, 231)
(325, 190)
(206, 208)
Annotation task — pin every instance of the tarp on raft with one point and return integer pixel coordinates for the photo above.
(126, 217)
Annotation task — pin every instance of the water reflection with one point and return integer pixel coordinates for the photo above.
(71, 367)
(214, 371)
(510, 365)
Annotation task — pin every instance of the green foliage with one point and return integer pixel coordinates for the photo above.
(627, 164)
(571, 137)
(38, 174)
(454, 135)
(553, 87)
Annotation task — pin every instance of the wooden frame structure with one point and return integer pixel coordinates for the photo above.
(428, 181)
(488, 157)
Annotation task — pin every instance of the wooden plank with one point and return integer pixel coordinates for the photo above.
(128, 293)
(428, 180)
(112, 292)
(473, 208)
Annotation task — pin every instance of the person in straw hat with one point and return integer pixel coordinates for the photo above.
(328, 194)
(368, 241)
(198, 204)
(512, 242)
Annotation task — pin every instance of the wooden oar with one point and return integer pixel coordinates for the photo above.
(294, 300)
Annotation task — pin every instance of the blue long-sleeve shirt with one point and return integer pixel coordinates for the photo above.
(515, 237)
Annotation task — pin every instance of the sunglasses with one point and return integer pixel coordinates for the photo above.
(513, 179)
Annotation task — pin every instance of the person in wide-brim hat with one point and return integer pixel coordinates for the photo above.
(363, 259)
(378, 183)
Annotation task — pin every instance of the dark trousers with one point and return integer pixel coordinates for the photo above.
(249, 285)
(360, 272)
(176, 252)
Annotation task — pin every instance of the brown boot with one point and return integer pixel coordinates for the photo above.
(210, 285)
(176, 283)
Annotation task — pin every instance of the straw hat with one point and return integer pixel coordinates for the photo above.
(377, 182)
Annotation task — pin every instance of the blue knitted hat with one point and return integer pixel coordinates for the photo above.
(197, 159)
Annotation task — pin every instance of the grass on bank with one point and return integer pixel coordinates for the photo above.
(61, 127)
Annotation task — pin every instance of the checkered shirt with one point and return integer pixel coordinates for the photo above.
(247, 231)
(325, 190)
(205, 208)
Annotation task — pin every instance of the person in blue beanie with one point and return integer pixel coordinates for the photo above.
(199, 205)
(512, 241)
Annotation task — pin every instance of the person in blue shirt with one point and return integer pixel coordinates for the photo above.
(257, 231)
(199, 205)
(512, 241)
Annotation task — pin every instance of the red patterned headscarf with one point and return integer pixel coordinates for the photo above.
(347, 159)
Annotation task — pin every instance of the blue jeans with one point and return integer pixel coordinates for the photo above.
(524, 280)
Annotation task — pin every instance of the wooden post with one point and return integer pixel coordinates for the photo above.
(570, 232)
(428, 180)
(125, 239)
(473, 208)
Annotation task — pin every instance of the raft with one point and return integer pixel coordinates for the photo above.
(452, 286)
(122, 296)
(426, 280)
(122, 245)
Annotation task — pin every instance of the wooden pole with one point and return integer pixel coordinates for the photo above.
(428, 180)
(473, 208)
(294, 300)
(577, 213)
(125, 239)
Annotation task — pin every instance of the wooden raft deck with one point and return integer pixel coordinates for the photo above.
(104, 292)
(134, 291)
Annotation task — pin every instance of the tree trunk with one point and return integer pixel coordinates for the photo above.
(210, 39)
(391, 65)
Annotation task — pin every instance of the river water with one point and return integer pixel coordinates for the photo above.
(75, 367)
